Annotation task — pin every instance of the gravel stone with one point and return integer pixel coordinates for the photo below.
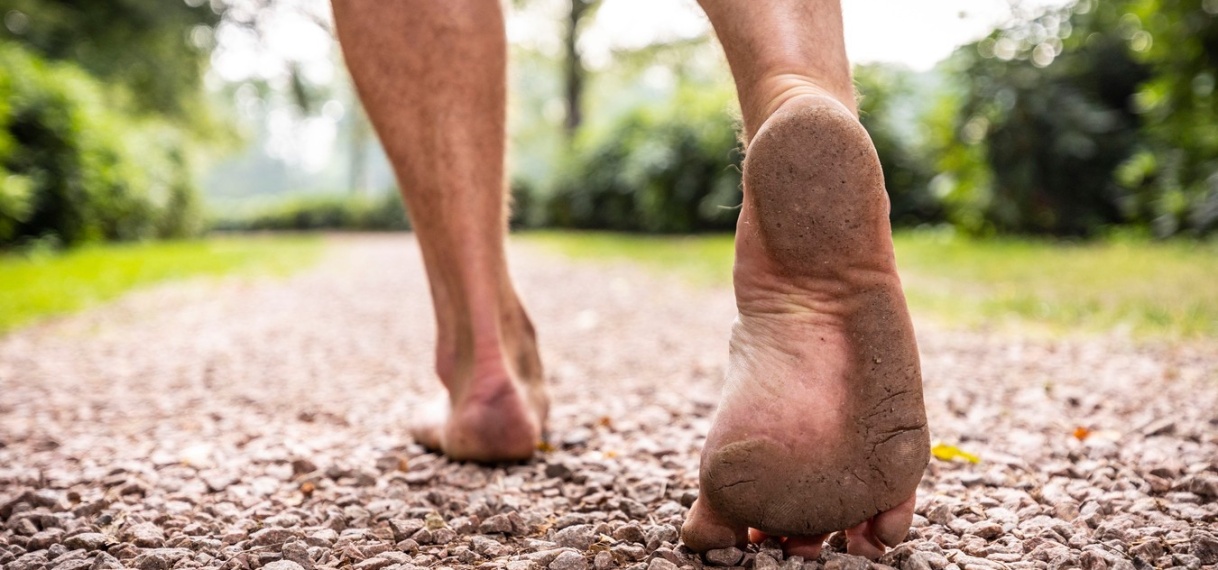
(28, 561)
(1205, 547)
(630, 532)
(658, 534)
(45, 539)
(920, 561)
(579, 537)
(559, 470)
(729, 556)
(985, 529)
(487, 546)
(496, 524)
(570, 519)
(74, 564)
(283, 565)
(603, 561)
(161, 558)
(629, 551)
(144, 535)
(660, 564)
(545, 557)
(763, 561)
(834, 561)
(569, 560)
(272, 536)
(297, 551)
(104, 561)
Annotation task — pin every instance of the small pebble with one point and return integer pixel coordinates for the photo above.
(729, 556)
(569, 560)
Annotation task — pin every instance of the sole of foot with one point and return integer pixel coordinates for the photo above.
(821, 426)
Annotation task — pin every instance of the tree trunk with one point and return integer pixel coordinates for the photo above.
(574, 72)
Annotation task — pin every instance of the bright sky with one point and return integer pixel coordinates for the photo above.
(917, 33)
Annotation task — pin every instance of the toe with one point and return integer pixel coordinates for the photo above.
(704, 529)
(892, 526)
(806, 546)
(861, 541)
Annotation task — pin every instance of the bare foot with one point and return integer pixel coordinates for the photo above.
(822, 426)
(497, 400)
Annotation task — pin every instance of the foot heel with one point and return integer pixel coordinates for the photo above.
(815, 183)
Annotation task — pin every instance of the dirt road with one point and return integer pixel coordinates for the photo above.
(260, 424)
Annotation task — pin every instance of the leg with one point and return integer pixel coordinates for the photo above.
(432, 77)
(822, 425)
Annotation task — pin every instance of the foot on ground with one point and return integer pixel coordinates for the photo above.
(497, 402)
(822, 426)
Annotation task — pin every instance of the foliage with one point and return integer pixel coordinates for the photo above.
(155, 49)
(888, 97)
(1044, 118)
(1126, 284)
(39, 285)
(658, 168)
(74, 167)
(331, 212)
(1173, 177)
(1077, 119)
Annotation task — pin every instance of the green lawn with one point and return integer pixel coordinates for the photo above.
(43, 285)
(1148, 289)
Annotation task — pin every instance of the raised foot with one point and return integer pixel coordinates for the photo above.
(822, 426)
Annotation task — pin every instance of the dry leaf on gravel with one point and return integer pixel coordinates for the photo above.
(944, 452)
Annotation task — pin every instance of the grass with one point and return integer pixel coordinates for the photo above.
(41, 285)
(1141, 288)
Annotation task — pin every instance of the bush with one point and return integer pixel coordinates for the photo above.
(329, 212)
(76, 168)
(1083, 118)
(1037, 135)
(669, 168)
(888, 103)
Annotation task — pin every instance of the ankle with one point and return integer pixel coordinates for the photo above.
(495, 344)
(776, 90)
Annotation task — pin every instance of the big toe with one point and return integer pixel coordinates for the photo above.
(871, 537)
(892, 526)
(704, 529)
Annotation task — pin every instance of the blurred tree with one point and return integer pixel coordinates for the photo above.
(76, 168)
(157, 49)
(889, 103)
(1043, 117)
(1173, 177)
(672, 167)
(574, 73)
(1075, 119)
(103, 107)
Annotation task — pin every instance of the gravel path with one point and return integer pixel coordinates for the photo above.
(259, 424)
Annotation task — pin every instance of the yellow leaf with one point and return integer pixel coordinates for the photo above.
(944, 452)
(544, 447)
